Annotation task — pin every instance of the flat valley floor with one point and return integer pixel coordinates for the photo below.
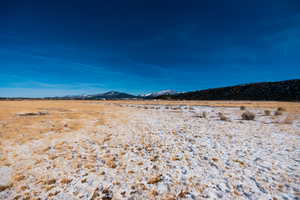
(148, 150)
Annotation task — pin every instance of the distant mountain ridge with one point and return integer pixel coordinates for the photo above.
(111, 95)
(269, 91)
(115, 95)
(102, 96)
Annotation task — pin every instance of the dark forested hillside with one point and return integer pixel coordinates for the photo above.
(277, 91)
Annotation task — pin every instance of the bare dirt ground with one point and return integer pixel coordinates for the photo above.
(148, 150)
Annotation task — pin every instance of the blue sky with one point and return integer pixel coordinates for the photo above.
(54, 48)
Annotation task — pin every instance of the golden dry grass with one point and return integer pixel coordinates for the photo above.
(67, 115)
(292, 107)
(70, 150)
(62, 117)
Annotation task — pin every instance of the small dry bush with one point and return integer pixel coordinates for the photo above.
(204, 114)
(223, 117)
(248, 115)
(281, 109)
(242, 108)
(277, 112)
(267, 112)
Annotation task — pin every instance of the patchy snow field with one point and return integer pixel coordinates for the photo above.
(155, 152)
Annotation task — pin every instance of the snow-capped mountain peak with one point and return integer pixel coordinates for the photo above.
(163, 92)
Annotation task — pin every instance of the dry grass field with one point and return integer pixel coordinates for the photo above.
(60, 117)
(149, 150)
(292, 107)
(67, 116)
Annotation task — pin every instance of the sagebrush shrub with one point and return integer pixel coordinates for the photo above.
(267, 112)
(280, 109)
(248, 115)
(223, 117)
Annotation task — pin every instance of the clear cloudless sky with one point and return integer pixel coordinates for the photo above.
(61, 47)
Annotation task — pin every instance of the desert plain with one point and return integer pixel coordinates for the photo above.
(134, 149)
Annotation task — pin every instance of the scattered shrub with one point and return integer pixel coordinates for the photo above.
(267, 112)
(242, 108)
(223, 117)
(277, 112)
(204, 114)
(248, 115)
(280, 109)
(33, 113)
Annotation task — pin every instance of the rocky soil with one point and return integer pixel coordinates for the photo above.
(159, 152)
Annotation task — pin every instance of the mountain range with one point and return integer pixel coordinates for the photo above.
(269, 91)
(116, 95)
(160, 93)
(101, 96)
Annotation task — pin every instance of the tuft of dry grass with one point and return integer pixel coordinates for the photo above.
(155, 179)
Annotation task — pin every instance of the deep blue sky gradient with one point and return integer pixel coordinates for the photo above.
(50, 48)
